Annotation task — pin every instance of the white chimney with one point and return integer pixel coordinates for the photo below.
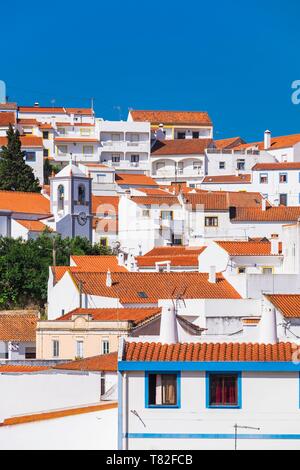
(212, 278)
(108, 279)
(168, 325)
(267, 140)
(274, 244)
(121, 259)
(267, 325)
(72, 119)
(263, 204)
(36, 104)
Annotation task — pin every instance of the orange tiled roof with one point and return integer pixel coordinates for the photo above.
(12, 106)
(45, 125)
(129, 179)
(7, 118)
(27, 141)
(108, 204)
(228, 143)
(136, 287)
(203, 352)
(284, 141)
(55, 110)
(105, 363)
(97, 263)
(134, 315)
(271, 214)
(57, 414)
(18, 327)
(165, 199)
(21, 369)
(210, 201)
(28, 203)
(180, 147)
(32, 225)
(28, 122)
(234, 179)
(288, 304)
(178, 256)
(76, 139)
(277, 166)
(247, 248)
(198, 118)
(175, 250)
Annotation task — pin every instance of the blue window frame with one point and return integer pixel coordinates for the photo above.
(169, 393)
(227, 382)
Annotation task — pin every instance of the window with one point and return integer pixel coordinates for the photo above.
(45, 153)
(180, 135)
(267, 270)
(61, 130)
(142, 295)
(116, 137)
(162, 390)
(263, 178)
(103, 241)
(30, 157)
(60, 197)
(46, 135)
(55, 348)
(211, 222)
(166, 215)
(240, 165)
(160, 165)
(223, 390)
(134, 158)
(283, 199)
(85, 131)
(88, 150)
(81, 194)
(283, 178)
(146, 213)
(197, 166)
(134, 137)
(222, 165)
(30, 353)
(105, 346)
(116, 158)
(195, 135)
(79, 349)
(62, 150)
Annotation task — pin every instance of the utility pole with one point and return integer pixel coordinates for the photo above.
(236, 427)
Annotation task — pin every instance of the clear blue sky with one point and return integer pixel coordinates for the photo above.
(234, 59)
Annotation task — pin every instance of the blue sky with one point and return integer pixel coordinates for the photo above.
(234, 59)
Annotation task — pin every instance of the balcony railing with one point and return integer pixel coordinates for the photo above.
(232, 151)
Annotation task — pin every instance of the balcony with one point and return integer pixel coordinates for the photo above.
(232, 151)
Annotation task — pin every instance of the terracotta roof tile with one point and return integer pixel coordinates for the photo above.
(105, 363)
(18, 328)
(178, 256)
(180, 147)
(197, 118)
(77, 139)
(210, 201)
(98, 263)
(148, 288)
(153, 200)
(287, 304)
(33, 225)
(101, 204)
(276, 143)
(228, 143)
(276, 166)
(55, 110)
(131, 179)
(7, 118)
(247, 248)
(28, 203)
(19, 369)
(271, 214)
(134, 315)
(27, 141)
(228, 179)
(207, 352)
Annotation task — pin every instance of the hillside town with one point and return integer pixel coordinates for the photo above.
(184, 331)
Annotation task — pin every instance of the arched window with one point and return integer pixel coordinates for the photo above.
(81, 194)
(60, 197)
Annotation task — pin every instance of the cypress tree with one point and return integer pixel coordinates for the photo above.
(15, 174)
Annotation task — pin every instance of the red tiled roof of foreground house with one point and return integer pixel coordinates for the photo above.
(27, 141)
(288, 304)
(20, 369)
(134, 315)
(271, 214)
(177, 257)
(284, 141)
(98, 263)
(209, 201)
(180, 147)
(166, 199)
(57, 414)
(135, 180)
(33, 225)
(247, 248)
(228, 143)
(7, 118)
(29, 203)
(148, 288)
(228, 179)
(206, 352)
(28, 122)
(105, 363)
(276, 166)
(198, 118)
(18, 327)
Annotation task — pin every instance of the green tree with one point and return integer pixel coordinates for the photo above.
(15, 174)
(24, 266)
(49, 169)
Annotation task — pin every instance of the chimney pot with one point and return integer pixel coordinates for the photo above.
(212, 275)
(168, 325)
(108, 279)
(267, 140)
